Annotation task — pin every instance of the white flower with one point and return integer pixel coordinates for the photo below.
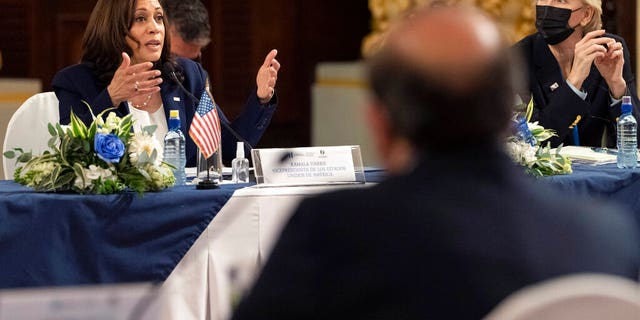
(102, 130)
(111, 125)
(143, 142)
(93, 173)
(45, 167)
(534, 125)
(113, 122)
(160, 176)
(522, 152)
(42, 170)
(100, 127)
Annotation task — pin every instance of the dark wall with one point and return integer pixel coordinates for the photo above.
(38, 37)
(619, 17)
(304, 32)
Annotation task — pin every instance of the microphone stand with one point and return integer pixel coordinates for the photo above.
(168, 70)
(208, 183)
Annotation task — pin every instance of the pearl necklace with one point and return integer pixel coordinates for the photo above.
(144, 104)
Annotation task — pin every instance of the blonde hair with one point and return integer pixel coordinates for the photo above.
(596, 19)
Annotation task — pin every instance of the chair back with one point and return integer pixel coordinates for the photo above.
(584, 297)
(27, 128)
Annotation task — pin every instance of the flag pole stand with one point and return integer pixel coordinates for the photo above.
(207, 183)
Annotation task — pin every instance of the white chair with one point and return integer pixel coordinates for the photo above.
(584, 297)
(27, 128)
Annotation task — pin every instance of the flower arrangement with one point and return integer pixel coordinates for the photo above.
(526, 148)
(104, 158)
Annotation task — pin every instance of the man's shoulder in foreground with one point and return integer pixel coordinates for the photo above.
(528, 223)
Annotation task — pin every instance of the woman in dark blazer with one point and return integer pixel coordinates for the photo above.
(125, 47)
(577, 73)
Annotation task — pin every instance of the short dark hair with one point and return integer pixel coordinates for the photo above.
(105, 38)
(433, 114)
(190, 19)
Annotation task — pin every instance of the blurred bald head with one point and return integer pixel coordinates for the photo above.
(450, 43)
(444, 78)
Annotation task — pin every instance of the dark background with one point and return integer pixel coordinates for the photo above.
(39, 37)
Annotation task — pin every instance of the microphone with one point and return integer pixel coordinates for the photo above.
(169, 70)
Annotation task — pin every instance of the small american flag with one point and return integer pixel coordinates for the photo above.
(205, 127)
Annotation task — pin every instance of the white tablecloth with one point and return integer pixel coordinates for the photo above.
(228, 254)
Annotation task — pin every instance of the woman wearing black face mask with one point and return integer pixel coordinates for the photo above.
(577, 73)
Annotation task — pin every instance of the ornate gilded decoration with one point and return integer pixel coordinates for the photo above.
(516, 17)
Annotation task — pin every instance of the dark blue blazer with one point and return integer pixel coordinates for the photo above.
(557, 108)
(448, 240)
(78, 83)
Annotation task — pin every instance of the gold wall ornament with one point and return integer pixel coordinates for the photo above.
(383, 14)
(515, 17)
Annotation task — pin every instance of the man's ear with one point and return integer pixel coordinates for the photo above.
(380, 127)
(395, 152)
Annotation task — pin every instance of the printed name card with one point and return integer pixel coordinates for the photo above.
(312, 165)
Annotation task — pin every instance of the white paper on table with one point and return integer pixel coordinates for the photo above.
(587, 155)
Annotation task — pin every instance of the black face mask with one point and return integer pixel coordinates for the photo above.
(553, 23)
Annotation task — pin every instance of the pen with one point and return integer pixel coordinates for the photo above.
(574, 128)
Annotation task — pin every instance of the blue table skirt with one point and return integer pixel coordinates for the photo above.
(68, 239)
(606, 182)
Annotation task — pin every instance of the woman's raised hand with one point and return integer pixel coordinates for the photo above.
(610, 67)
(130, 81)
(589, 48)
(267, 77)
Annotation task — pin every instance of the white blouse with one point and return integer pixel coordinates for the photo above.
(143, 118)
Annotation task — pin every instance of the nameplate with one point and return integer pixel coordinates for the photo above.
(307, 166)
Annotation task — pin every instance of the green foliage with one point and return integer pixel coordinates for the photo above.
(538, 160)
(549, 163)
(72, 164)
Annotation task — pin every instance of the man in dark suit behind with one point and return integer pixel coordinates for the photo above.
(457, 226)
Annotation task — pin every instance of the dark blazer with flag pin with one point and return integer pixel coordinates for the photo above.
(557, 107)
(78, 83)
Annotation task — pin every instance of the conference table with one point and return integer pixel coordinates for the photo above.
(202, 247)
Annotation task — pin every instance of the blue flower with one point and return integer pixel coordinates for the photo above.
(108, 147)
(523, 131)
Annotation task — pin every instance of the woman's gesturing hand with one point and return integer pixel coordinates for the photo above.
(589, 48)
(267, 77)
(130, 81)
(610, 67)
